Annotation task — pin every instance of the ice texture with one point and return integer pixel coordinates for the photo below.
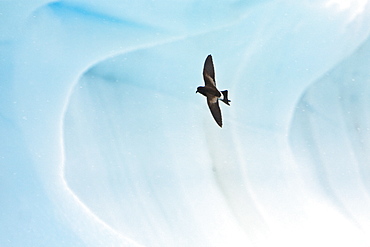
(105, 143)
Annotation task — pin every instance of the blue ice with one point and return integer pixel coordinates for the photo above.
(105, 143)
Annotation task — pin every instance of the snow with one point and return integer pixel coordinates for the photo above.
(105, 143)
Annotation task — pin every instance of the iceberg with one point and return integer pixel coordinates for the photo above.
(105, 143)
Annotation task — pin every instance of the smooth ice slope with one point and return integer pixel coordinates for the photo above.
(105, 143)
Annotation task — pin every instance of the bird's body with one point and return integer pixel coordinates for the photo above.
(211, 92)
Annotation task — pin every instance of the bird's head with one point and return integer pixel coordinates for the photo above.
(201, 90)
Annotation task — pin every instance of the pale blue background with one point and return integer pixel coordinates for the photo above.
(103, 141)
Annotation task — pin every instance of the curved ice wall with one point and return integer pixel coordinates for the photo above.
(105, 143)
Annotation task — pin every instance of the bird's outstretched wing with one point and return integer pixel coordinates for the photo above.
(209, 72)
(215, 109)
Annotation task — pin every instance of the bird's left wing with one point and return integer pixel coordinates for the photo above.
(209, 71)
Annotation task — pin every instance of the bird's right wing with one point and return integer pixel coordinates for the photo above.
(215, 109)
(209, 72)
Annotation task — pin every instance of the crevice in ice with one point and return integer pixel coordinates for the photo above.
(337, 104)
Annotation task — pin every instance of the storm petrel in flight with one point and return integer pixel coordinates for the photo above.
(211, 92)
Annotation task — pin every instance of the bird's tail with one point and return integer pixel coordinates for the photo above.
(225, 99)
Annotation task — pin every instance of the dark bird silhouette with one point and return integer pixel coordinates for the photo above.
(211, 92)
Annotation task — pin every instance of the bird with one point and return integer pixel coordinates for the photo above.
(210, 91)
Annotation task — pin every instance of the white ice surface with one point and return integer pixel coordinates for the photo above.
(105, 143)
